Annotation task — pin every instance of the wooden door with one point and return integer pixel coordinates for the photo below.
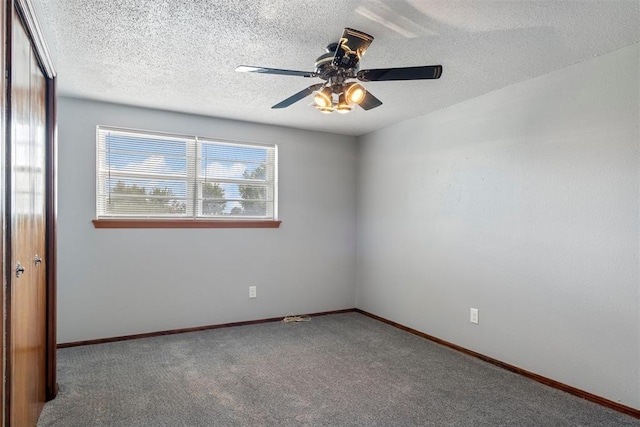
(28, 292)
(38, 258)
(3, 193)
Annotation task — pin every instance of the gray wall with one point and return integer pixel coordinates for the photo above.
(119, 282)
(522, 203)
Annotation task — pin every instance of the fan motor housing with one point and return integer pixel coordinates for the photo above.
(325, 68)
(323, 64)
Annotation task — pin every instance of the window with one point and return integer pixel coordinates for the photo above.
(147, 175)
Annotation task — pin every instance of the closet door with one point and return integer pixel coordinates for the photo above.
(27, 316)
(37, 259)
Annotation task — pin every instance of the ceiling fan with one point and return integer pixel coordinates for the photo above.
(337, 67)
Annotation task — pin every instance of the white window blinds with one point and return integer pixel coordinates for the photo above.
(153, 175)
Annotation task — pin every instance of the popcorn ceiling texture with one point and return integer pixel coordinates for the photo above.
(181, 55)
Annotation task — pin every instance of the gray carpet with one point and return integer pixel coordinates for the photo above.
(337, 370)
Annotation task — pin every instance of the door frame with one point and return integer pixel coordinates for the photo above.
(27, 13)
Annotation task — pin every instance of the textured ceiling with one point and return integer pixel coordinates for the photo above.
(180, 55)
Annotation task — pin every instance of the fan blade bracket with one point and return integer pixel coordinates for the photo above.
(351, 48)
(278, 71)
(400, 73)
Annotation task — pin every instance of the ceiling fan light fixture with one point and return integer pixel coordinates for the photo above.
(323, 98)
(343, 106)
(354, 93)
(325, 110)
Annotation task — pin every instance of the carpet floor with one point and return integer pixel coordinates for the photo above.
(336, 370)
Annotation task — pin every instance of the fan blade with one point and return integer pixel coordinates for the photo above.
(403, 73)
(351, 47)
(298, 96)
(370, 102)
(263, 70)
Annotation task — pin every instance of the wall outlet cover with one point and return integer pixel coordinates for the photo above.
(474, 316)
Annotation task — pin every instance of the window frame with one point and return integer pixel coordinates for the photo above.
(194, 181)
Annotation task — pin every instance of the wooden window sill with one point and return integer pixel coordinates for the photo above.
(182, 223)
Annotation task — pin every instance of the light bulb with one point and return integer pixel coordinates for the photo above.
(354, 94)
(343, 107)
(323, 98)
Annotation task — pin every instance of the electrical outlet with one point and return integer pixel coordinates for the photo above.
(474, 316)
(252, 292)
